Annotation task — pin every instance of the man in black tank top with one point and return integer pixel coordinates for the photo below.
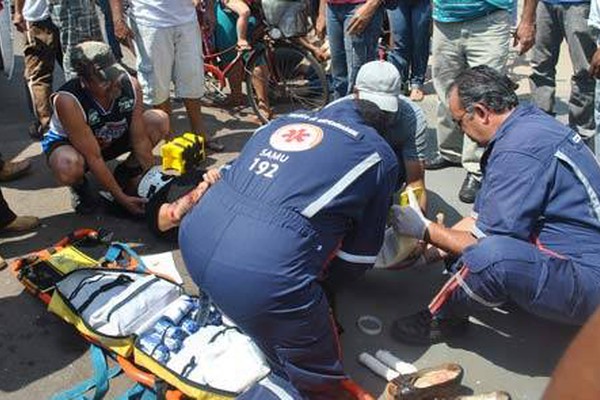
(97, 117)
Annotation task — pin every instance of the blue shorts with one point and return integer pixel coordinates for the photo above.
(121, 145)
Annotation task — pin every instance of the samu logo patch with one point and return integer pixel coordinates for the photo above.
(296, 137)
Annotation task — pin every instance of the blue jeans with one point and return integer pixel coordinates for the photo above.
(501, 268)
(410, 23)
(349, 52)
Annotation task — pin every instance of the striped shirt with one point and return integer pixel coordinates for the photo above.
(465, 10)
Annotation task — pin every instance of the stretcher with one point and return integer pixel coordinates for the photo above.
(162, 338)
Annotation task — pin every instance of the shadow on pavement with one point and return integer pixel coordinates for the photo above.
(510, 338)
(436, 204)
(56, 227)
(34, 343)
(38, 177)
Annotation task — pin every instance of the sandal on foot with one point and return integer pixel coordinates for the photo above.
(417, 94)
(265, 110)
(427, 383)
(12, 170)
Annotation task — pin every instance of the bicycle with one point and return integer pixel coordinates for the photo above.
(291, 76)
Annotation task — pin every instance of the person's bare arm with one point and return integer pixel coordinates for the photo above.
(525, 35)
(18, 19)
(140, 140)
(83, 140)
(362, 17)
(594, 69)
(410, 221)
(321, 24)
(452, 240)
(171, 214)
(415, 177)
(122, 31)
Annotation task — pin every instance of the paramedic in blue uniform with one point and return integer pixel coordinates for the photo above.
(97, 117)
(534, 236)
(307, 199)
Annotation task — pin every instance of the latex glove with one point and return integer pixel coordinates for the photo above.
(409, 220)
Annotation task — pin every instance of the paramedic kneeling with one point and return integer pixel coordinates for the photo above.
(307, 198)
(98, 116)
(534, 237)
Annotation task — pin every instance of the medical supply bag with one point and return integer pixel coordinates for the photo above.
(147, 322)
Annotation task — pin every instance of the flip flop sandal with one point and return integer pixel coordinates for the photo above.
(417, 94)
(427, 383)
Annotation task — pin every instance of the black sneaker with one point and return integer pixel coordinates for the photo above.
(439, 162)
(469, 189)
(423, 328)
(83, 198)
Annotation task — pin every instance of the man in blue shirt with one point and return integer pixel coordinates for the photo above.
(306, 200)
(467, 33)
(534, 237)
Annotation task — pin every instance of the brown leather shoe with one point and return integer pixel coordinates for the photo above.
(427, 383)
(14, 169)
(21, 224)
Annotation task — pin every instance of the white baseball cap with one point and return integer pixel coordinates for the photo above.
(380, 83)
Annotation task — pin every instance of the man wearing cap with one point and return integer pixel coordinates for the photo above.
(98, 116)
(405, 132)
(306, 201)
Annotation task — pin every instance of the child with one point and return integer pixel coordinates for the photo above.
(242, 9)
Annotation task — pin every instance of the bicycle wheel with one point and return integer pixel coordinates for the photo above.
(291, 78)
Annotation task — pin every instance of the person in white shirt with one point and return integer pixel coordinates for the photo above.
(41, 51)
(168, 45)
